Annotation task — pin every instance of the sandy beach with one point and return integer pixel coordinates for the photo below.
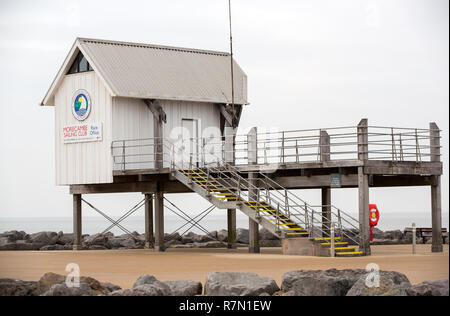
(123, 267)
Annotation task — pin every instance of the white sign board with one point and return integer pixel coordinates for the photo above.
(82, 133)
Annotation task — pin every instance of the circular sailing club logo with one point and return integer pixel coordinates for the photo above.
(81, 104)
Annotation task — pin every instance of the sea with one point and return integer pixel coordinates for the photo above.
(172, 223)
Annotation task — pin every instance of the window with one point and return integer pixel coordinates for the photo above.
(80, 64)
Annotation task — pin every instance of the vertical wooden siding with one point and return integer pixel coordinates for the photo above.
(88, 162)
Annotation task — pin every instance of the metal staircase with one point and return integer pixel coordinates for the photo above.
(265, 201)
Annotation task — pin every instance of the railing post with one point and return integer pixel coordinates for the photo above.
(230, 135)
(363, 140)
(332, 248)
(414, 238)
(252, 146)
(282, 148)
(324, 146)
(123, 156)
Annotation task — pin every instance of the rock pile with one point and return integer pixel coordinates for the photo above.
(294, 283)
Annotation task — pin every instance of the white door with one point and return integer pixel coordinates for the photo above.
(190, 141)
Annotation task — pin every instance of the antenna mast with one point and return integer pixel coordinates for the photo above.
(232, 67)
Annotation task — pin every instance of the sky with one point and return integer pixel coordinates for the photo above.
(310, 64)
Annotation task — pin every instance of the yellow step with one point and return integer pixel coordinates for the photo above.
(305, 233)
(326, 238)
(227, 197)
(336, 243)
(343, 248)
(292, 229)
(349, 253)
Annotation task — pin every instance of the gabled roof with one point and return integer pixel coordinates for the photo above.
(157, 72)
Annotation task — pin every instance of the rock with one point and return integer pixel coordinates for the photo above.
(238, 284)
(62, 290)
(393, 234)
(20, 245)
(52, 247)
(119, 242)
(377, 233)
(188, 238)
(242, 235)
(65, 239)
(49, 279)
(264, 294)
(430, 288)
(390, 284)
(96, 240)
(385, 242)
(148, 279)
(222, 235)
(210, 244)
(10, 287)
(14, 235)
(320, 283)
(185, 288)
(145, 279)
(203, 238)
(141, 290)
(265, 234)
(44, 238)
(288, 293)
(111, 287)
(169, 237)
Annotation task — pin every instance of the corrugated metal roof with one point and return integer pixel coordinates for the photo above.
(161, 72)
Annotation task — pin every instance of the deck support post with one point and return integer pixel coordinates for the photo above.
(231, 219)
(363, 187)
(326, 212)
(149, 239)
(229, 159)
(436, 208)
(159, 221)
(325, 155)
(77, 231)
(253, 226)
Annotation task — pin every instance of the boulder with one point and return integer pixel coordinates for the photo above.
(242, 236)
(14, 235)
(160, 287)
(390, 284)
(188, 238)
(65, 239)
(185, 288)
(203, 238)
(238, 284)
(141, 290)
(63, 290)
(52, 247)
(119, 242)
(327, 283)
(209, 244)
(96, 240)
(44, 238)
(111, 287)
(169, 237)
(393, 234)
(265, 234)
(222, 235)
(49, 279)
(429, 288)
(377, 233)
(11, 287)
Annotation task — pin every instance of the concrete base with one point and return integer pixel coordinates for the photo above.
(298, 246)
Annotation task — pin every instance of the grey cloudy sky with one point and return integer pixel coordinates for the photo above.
(310, 64)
